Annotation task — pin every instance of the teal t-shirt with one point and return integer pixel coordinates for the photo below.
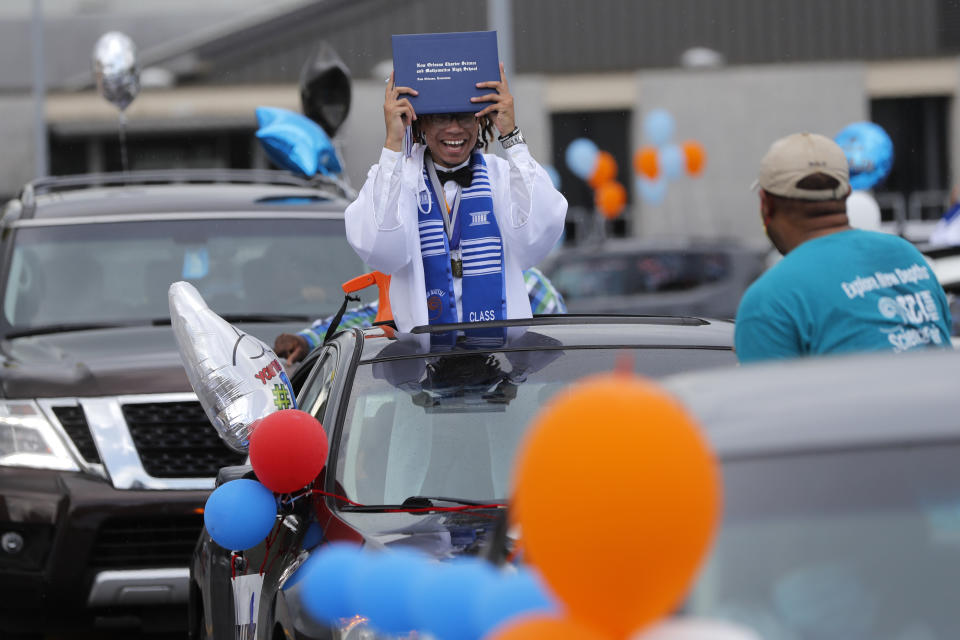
(848, 291)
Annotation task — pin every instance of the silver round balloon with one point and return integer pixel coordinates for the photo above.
(115, 69)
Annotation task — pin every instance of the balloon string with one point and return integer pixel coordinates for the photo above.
(233, 565)
(123, 141)
(274, 532)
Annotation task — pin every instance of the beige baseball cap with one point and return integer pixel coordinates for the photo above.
(792, 158)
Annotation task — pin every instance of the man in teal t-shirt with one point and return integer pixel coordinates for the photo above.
(837, 289)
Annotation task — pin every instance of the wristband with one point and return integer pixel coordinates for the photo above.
(513, 138)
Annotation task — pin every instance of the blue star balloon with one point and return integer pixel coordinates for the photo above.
(869, 152)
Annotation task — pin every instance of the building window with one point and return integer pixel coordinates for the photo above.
(227, 149)
(919, 183)
(610, 130)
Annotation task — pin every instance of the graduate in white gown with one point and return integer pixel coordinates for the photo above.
(453, 226)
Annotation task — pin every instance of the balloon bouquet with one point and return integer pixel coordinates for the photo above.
(247, 396)
(117, 75)
(654, 494)
(661, 160)
(301, 143)
(599, 169)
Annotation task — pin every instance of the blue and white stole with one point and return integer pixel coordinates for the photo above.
(474, 231)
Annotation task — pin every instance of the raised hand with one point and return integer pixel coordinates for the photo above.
(398, 114)
(500, 108)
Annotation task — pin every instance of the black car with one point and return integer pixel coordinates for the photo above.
(697, 277)
(106, 457)
(842, 496)
(420, 421)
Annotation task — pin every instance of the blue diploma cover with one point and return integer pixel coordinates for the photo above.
(445, 67)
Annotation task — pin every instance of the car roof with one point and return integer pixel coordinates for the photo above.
(168, 192)
(825, 402)
(561, 331)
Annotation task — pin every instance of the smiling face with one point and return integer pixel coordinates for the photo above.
(450, 136)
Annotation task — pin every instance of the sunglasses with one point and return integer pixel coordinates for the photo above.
(464, 119)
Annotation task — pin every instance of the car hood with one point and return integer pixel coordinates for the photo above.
(126, 360)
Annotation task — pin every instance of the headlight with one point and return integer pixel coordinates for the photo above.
(27, 439)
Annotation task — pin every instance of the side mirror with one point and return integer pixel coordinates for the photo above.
(325, 89)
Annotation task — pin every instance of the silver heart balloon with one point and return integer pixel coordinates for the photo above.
(115, 69)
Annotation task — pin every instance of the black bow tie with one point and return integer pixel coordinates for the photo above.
(462, 176)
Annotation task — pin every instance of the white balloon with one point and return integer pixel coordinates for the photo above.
(863, 212)
(697, 629)
(237, 378)
(115, 69)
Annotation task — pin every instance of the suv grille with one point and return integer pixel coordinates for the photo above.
(163, 541)
(176, 440)
(75, 424)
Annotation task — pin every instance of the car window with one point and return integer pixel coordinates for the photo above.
(317, 388)
(121, 271)
(839, 545)
(631, 274)
(450, 425)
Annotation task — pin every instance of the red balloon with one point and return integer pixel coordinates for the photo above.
(288, 450)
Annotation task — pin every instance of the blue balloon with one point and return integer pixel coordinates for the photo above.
(554, 176)
(444, 599)
(581, 157)
(658, 127)
(323, 590)
(312, 536)
(869, 152)
(239, 514)
(380, 589)
(672, 161)
(652, 191)
(509, 596)
(295, 142)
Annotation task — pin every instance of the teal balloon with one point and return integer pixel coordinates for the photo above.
(511, 595)
(658, 127)
(672, 161)
(652, 191)
(323, 590)
(295, 142)
(240, 514)
(869, 152)
(581, 157)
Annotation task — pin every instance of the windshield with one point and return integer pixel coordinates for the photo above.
(120, 272)
(450, 425)
(839, 546)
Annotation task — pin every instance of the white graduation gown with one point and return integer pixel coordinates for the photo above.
(382, 226)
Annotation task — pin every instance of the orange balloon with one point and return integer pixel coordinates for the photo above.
(622, 450)
(646, 162)
(696, 157)
(604, 170)
(536, 627)
(610, 198)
